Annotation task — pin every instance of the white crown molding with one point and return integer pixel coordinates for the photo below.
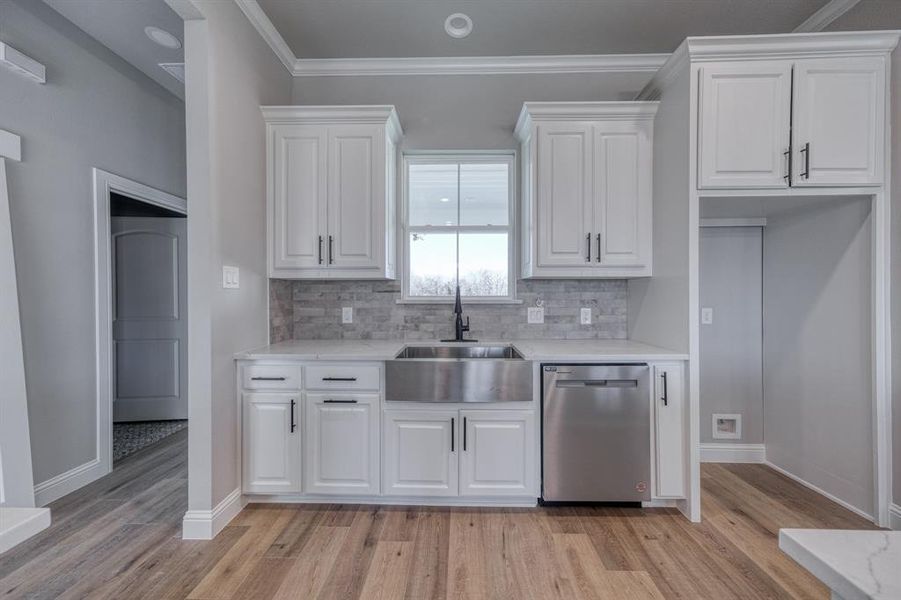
(581, 111)
(379, 114)
(269, 33)
(786, 46)
(821, 19)
(479, 65)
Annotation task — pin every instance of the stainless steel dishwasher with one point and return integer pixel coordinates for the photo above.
(596, 433)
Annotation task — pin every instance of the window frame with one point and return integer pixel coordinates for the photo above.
(457, 157)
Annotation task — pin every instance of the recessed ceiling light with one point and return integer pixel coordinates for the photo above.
(458, 25)
(162, 37)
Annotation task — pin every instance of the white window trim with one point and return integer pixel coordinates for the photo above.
(438, 156)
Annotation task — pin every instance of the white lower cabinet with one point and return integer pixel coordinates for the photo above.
(272, 441)
(498, 456)
(341, 452)
(460, 453)
(420, 453)
(669, 416)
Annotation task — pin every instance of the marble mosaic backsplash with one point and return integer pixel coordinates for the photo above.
(312, 310)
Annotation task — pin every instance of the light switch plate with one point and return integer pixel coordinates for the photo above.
(706, 316)
(347, 314)
(230, 277)
(536, 314)
(585, 316)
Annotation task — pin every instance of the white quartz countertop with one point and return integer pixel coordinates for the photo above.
(853, 564)
(539, 350)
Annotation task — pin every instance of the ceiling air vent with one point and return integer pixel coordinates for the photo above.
(177, 70)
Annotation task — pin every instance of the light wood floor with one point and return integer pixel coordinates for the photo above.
(119, 538)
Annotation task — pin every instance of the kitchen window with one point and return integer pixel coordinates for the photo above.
(458, 227)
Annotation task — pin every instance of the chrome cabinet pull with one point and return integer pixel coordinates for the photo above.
(788, 176)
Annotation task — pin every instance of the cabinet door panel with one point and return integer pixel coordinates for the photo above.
(420, 453)
(744, 127)
(839, 109)
(498, 453)
(565, 205)
(298, 211)
(623, 192)
(271, 444)
(342, 444)
(670, 440)
(356, 191)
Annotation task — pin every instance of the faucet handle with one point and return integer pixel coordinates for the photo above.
(466, 327)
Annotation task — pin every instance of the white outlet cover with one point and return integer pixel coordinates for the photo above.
(585, 316)
(230, 277)
(347, 314)
(536, 314)
(706, 316)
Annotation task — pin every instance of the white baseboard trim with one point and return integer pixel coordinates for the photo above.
(509, 502)
(821, 491)
(894, 516)
(733, 453)
(206, 524)
(65, 483)
(19, 524)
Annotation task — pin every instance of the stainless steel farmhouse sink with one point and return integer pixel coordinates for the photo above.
(458, 374)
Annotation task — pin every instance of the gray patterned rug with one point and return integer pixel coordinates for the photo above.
(128, 438)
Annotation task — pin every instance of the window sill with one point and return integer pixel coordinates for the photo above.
(466, 301)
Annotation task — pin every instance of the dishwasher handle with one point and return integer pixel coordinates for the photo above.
(608, 383)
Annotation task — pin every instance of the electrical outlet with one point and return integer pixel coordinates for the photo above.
(536, 314)
(230, 277)
(706, 316)
(585, 316)
(347, 314)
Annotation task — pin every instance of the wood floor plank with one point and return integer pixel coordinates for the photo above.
(389, 571)
(349, 573)
(591, 580)
(428, 571)
(310, 570)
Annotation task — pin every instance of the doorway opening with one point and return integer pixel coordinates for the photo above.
(141, 254)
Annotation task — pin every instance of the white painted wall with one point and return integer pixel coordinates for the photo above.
(464, 112)
(731, 279)
(230, 73)
(94, 111)
(817, 347)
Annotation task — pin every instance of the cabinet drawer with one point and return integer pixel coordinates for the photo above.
(343, 377)
(271, 377)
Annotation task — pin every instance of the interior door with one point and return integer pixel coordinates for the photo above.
(149, 270)
(356, 192)
(421, 453)
(342, 444)
(565, 206)
(623, 194)
(744, 129)
(839, 120)
(298, 220)
(498, 453)
(271, 438)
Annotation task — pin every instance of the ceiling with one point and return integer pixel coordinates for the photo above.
(870, 14)
(119, 25)
(415, 28)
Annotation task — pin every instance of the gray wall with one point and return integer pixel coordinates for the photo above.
(312, 310)
(463, 112)
(731, 275)
(230, 73)
(94, 111)
(817, 347)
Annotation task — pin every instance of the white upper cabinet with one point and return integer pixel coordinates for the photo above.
(839, 121)
(331, 191)
(812, 116)
(744, 125)
(587, 189)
